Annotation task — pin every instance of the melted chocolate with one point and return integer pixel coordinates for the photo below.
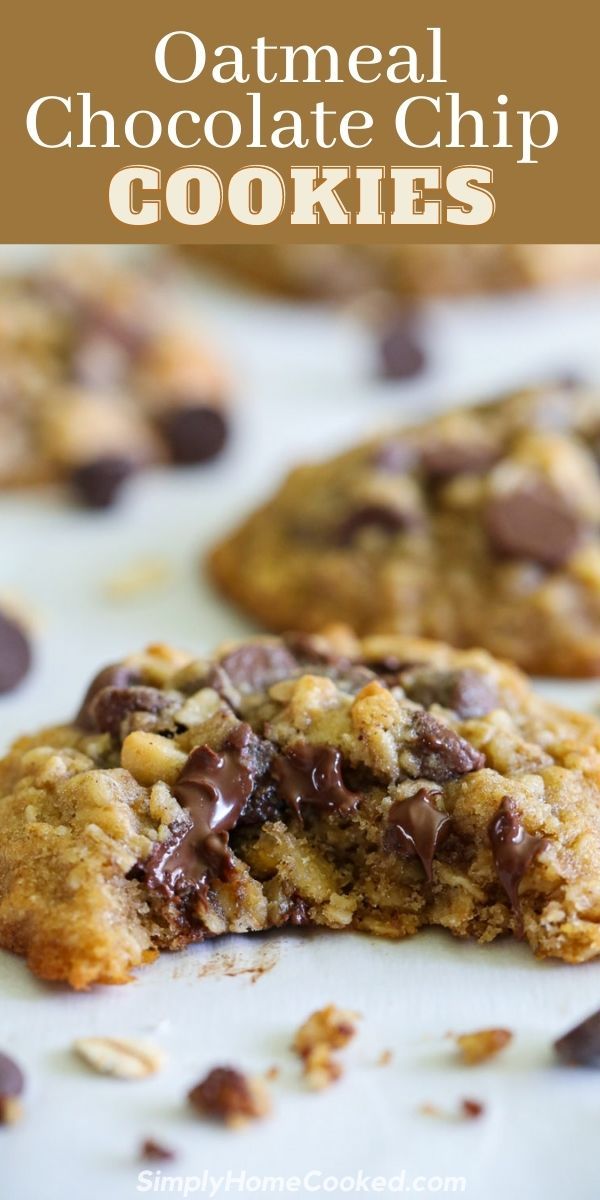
(313, 775)
(514, 849)
(417, 828)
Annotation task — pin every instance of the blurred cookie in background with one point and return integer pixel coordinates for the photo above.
(99, 378)
(340, 272)
(478, 527)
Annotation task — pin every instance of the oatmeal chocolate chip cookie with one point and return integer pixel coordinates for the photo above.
(95, 383)
(337, 272)
(380, 785)
(479, 527)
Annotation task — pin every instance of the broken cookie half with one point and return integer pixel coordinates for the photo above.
(379, 785)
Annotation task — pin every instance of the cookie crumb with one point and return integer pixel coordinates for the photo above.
(138, 577)
(229, 1096)
(326, 1030)
(385, 1058)
(123, 1058)
(471, 1109)
(155, 1152)
(482, 1045)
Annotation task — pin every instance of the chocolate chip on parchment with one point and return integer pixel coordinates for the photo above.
(155, 1151)
(228, 1095)
(15, 653)
(116, 675)
(374, 516)
(111, 705)
(468, 693)
(416, 827)
(580, 1047)
(401, 350)
(98, 482)
(254, 666)
(194, 433)
(513, 848)
(441, 754)
(12, 1086)
(312, 775)
(533, 522)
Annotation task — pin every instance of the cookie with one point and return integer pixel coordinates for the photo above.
(95, 382)
(380, 785)
(480, 527)
(337, 272)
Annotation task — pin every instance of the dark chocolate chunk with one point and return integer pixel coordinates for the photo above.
(468, 693)
(401, 351)
(15, 653)
(111, 705)
(257, 665)
(441, 753)
(534, 522)
(312, 775)
(98, 482)
(214, 789)
(513, 848)
(442, 460)
(418, 827)
(155, 1152)
(12, 1079)
(472, 1109)
(297, 913)
(225, 1095)
(580, 1047)
(194, 433)
(117, 675)
(374, 516)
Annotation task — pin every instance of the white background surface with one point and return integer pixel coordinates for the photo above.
(304, 385)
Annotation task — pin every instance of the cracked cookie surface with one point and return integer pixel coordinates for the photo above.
(379, 785)
(479, 527)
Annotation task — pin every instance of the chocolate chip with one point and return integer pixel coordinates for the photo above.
(297, 913)
(12, 1085)
(442, 460)
(194, 434)
(115, 675)
(513, 848)
(111, 705)
(213, 788)
(155, 1152)
(401, 352)
(257, 665)
(312, 775)
(472, 1109)
(15, 654)
(468, 693)
(417, 827)
(374, 516)
(581, 1046)
(97, 483)
(533, 522)
(440, 753)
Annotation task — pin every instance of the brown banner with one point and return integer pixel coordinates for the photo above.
(430, 122)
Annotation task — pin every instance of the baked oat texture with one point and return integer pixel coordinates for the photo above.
(338, 272)
(480, 527)
(380, 785)
(98, 378)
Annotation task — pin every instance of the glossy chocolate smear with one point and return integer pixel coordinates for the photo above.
(534, 522)
(417, 827)
(374, 516)
(257, 665)
(97, 483)
(111, 705)
(581, 1046)
(468, 693)
(194, 433)
(514, 849)
(213, 788)
(15, 654)
(312, 775)
(116, 675)
(441, 754)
